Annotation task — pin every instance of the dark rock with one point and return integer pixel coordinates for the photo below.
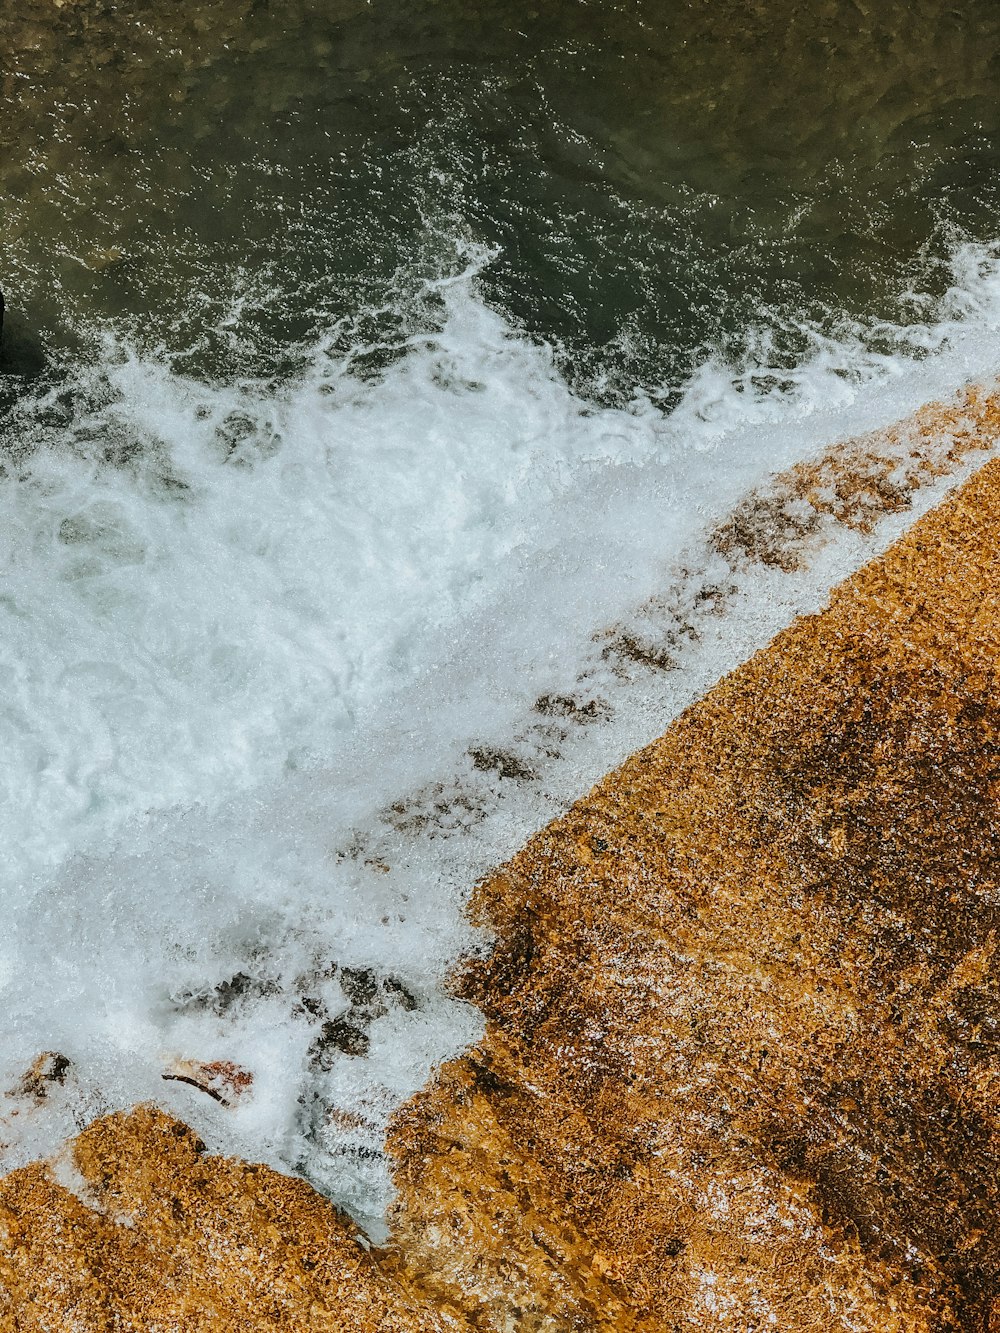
(359, 984)
(51, 1067)
(342, 1034)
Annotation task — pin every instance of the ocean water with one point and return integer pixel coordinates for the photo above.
(368, 376)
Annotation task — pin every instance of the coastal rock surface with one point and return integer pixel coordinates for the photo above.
(133, 1227)
(742, 1056)
(743, 1041)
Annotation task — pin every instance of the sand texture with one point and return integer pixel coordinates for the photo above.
(742, 1059)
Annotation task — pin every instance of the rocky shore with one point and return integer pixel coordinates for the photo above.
(742, 1051)
(741, 1062)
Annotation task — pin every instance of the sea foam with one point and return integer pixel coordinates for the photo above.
(268, 649)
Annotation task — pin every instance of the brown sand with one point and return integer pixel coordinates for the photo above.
(742, 1060)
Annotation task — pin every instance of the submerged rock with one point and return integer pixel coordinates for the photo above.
(47, 1070)
(222, 1080)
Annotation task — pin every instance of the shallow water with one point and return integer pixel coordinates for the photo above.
(659, 179)
(364, 362)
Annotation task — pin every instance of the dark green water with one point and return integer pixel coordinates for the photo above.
(659, 178)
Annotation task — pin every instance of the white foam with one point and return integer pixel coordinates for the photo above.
(280, 611)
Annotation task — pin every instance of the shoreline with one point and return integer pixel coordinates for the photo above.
(739, 1059)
